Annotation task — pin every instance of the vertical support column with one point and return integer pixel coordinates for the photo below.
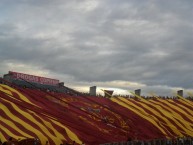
(180, 93)
(93, 91)
(138, 92)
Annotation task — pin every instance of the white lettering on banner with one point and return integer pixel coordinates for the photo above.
(48, 81)
(32, 78)
(27, 77)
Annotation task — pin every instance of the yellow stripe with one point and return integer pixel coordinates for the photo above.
(189, 103)
(186, 102)
(31, 118)
(139, 97)
(9, 94)
(176, 118)
(168, 123)
(24, 124)
(48, 116)
(187, 124)
(6, 91)
(138, 111)
(174, 107)
(71, 135)
(49, 125)
(181, 100)
(188, 111)
(12, 125)
(156, 118)
(2, 138)
(18, 93)
(10, 133)
(166, 114)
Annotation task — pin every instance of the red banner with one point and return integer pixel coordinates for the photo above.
(32, 78)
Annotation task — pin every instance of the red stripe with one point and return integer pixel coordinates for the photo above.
(162, 115)
(147, 130)
(175, 110)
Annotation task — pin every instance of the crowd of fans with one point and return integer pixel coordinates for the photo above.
(176, 141)
(31, 141)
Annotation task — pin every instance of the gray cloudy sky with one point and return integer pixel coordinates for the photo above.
(124, 44)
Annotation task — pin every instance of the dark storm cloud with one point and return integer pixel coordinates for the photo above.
(148, 42)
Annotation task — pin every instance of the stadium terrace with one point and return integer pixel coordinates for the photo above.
(43, 111)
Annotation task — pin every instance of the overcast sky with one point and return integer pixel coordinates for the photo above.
(123, 44)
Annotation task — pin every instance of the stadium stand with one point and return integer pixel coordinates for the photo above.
(35, 113)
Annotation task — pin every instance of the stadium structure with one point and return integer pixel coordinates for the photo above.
(42, 111)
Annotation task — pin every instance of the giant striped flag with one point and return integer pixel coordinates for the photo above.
(59, 118)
